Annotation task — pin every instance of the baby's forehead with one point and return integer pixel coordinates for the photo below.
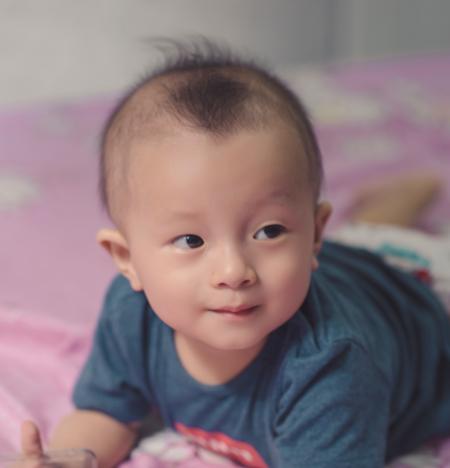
(195, 168)
(219, 105)
(244, 153)
(166, 134)
(152, 135)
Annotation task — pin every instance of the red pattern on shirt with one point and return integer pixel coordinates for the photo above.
(222, 444)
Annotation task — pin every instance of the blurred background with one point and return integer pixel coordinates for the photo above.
(53, 49)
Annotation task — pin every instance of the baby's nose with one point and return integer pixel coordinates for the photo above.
(233, 270)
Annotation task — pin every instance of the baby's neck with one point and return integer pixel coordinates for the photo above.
(211, 366)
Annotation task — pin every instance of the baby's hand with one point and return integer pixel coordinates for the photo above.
(31, 448)
(31, 442)
(33, 455)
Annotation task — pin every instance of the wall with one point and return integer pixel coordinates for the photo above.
(372, 28)
(68, 48)
(54, 49)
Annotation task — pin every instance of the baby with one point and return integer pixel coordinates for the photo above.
(231, 317)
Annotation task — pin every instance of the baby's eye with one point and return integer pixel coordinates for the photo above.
(188, 241)
(270, 232)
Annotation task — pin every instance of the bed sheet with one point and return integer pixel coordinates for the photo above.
(373, 119)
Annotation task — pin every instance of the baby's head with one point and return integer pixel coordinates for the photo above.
(211, 172)
(203, 89)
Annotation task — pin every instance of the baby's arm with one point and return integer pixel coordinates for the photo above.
(109, 439)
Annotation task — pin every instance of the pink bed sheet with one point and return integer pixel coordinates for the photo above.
(40, 358)
(374, 119)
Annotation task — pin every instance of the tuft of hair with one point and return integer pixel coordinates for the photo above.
(205, 87)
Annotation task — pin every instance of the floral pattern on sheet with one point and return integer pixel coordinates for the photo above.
(171, 449)
(434, 455)
(16, 190)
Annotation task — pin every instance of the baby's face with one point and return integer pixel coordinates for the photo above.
(221, 233)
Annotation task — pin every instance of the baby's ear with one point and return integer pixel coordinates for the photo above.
(116, 245)
(322, 215)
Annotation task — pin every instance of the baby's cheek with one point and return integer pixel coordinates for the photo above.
(290, 278)
(292, 267)
(172, 295)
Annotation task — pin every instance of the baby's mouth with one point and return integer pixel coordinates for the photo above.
(236, 311)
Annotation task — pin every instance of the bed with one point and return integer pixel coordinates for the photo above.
(374, 119)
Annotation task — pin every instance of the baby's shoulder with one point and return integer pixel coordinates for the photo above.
(321, 340)
(121, 302)
(333, 358)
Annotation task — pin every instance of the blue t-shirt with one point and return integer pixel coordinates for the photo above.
(359, 375)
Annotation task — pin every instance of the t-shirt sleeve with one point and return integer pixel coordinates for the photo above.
(333, 411)
(113, 378)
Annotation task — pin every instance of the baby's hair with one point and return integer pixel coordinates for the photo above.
(203, 87)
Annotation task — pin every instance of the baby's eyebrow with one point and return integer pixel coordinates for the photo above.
(278, 196)
(282, 195)
(181, 214)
